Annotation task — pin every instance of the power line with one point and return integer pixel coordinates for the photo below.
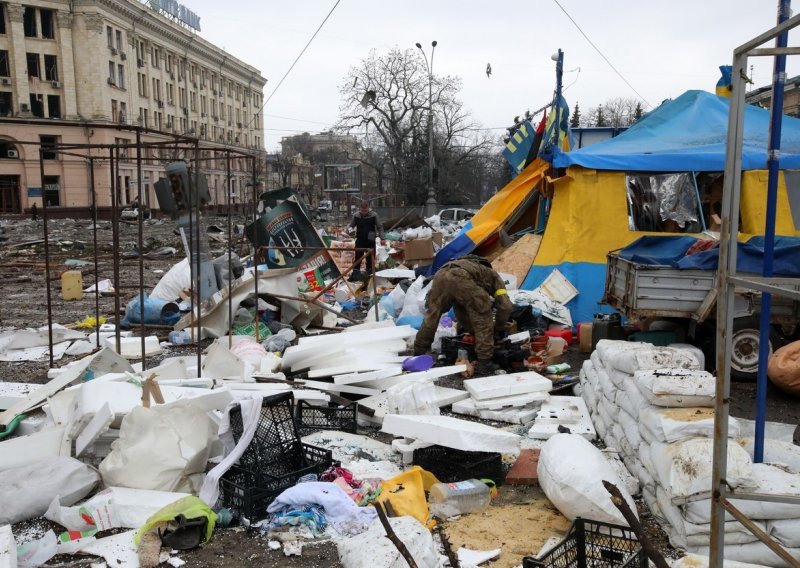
(597, 49)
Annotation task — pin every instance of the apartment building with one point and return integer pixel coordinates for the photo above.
(101, 71)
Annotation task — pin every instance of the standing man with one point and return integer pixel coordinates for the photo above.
(471, 287)
(34, 212)
(368, 227)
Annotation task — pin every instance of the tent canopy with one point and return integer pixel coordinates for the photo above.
(688, 133)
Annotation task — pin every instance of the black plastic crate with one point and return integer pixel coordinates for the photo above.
(275, 433)
(592, 544)
(451, 346)
(338, 414)
(450, 465)
(248, 491)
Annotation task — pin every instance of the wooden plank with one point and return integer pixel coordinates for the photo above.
(518, 258)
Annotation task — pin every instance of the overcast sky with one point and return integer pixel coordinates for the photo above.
(662, 48)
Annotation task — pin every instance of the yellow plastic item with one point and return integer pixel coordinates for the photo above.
(406, 494)
(90, 322)
(72, 285)
(190, 507)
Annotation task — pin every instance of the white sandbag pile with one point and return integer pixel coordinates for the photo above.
(654, 405)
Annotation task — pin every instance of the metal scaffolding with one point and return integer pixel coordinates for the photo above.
(730, 280)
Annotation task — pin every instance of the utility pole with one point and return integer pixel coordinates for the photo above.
(430, 205)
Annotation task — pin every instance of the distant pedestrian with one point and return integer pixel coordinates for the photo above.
(34, 212)
(368, 228)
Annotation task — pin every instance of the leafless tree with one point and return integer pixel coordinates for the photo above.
(617, 112)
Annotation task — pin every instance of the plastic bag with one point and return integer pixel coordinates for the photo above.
(406, 493)
(190, 507)
(176, 280)
(571, 471)
(410, 305)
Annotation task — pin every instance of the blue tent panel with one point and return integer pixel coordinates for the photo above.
(688, 133)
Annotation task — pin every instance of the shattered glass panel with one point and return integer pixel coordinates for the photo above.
(663, 203)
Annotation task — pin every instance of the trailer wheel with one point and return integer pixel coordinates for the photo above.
(744, 348)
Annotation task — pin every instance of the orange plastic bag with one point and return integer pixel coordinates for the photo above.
(783, 368)
(406, 494)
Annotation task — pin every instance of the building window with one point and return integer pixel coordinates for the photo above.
(48, 144)
(111, 73)
(114, 114)
(121, 76)
(52, 191)
(109, 36)
(51, 67)
(29, 21)
(5, 68)
(2, 18)
(48, 29)
(54, 106)
(33, 64)
(5, 104)
(155, 55)
(123, 111)
(37, 106)
(119, 40)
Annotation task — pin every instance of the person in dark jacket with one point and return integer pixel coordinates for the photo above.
(368, 228)
(472, 288)
(34, 212)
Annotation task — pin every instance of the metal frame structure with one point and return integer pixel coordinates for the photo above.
(729, 280)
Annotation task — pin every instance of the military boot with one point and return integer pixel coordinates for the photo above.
(486, 367)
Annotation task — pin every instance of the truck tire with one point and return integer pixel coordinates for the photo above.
(744, 348)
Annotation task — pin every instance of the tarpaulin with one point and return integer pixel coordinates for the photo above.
(750, 257)
(657, 250)
(688, 133)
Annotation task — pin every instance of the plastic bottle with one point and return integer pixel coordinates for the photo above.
(181, 337)
(451, 499)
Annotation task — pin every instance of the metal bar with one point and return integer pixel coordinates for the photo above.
(230, 247)
(94, 243)
(771, 51)
(771, 285)
(791, 499)
(140, 234)
(332, 284)
(46, 256)
(374, 261)
(114, 172)
(727, 265)
(196, 197)
(761, 535)
(745, 48)
(255, 251)
(773, 163)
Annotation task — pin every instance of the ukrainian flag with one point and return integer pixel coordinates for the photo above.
(519, 146)
(724, 85)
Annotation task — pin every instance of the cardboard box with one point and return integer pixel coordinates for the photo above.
(423, 249)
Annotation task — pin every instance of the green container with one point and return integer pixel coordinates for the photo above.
(657, 338)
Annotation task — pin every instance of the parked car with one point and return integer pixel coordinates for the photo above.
(455, 215)
(131, 213)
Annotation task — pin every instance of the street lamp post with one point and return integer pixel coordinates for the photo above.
(430, 205)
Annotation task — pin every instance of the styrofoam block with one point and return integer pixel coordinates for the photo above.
(92, 396)
(221, 362)
(349, 357)
(430, 374)
(353, 367)
(507, 385)
(11, 393)
(207, 399)
(349, 389)
(516, 400)
(131, 347)
(451, 433)
(25, 450)
(96, 426)
(566, 412)
(509, 415)
(406, 448)
(8, 548)
(360, 337)
(367, 376)
(378, 403)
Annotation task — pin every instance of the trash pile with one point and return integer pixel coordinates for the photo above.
(654, 405)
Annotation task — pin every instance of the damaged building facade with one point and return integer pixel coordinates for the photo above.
(95, 72)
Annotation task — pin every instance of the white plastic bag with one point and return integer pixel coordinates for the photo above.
(571, 472)
(373, 548)
(410, 305)
(675, 387)
(27, 491)
(175, 281)
(683, 469)
(163, 448)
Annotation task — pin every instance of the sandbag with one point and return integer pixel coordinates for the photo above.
(571, 471)
(675, 387)
(674, 424)
(164, 448)
(26, 492)
(770, 480)
(374, 549)
(631, 428)
(752, 552)
(631, 399)
(783, 368)
(785, 531)
(651, 359)
(683, 469)
(776, 452)
(697, 561)
(609, 348)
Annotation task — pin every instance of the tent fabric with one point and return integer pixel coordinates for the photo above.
(750, 257)
(492, 216)
(688, 134)
(657, 250)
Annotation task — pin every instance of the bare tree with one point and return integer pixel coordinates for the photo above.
(616, 112)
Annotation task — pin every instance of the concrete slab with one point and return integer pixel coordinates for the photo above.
(562, 412)
(524, 470)
(510, 415)
(517, 400)
(507, 385)
(452, 433)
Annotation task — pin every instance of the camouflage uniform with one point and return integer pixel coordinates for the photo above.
(469, 286)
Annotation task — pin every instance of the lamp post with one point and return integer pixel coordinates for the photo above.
(430, 204)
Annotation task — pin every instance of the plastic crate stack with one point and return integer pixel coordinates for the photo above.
(654, 405)
(274, 460)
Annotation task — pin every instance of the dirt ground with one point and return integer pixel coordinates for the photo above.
(519, 521)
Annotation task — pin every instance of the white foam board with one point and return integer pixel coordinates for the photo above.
(565, 411)
(354, 378)
(452, 433)
(507, 385)
(361, 337)
(378, 403)
(516, 400)
(8, 548)
(510, 415)
(354, 367)
(430, 374)
(11, 393)
(96, 426)
(25, 450)
(348, 389)
(131, 347)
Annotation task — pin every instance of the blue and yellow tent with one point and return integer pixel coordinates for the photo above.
(589, 214)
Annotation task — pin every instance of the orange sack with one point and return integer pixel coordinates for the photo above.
(784, 368)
